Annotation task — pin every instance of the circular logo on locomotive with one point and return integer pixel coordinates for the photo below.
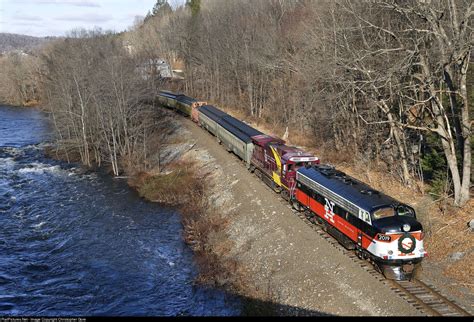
(406, 243)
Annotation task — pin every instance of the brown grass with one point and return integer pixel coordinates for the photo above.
(61, 154)
(173, 187)
(205, 232)
(450, 234)
(31, 103)
(204, 227)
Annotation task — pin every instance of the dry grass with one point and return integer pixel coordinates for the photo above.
(31, 103)
(204, 227)
(173, 187)
(57, 153)
(450, 234)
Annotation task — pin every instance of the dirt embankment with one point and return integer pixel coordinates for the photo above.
(186, 177)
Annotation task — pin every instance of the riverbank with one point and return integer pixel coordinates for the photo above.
(77, 242)
(188, 178)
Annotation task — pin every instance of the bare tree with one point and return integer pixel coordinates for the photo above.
(95, 93)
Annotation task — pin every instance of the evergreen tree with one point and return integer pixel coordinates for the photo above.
(161, 8)
(194, 5)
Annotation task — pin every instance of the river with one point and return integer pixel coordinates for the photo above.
(74, 243)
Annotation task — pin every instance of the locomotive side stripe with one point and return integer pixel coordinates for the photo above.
(339, 223)
(277, 158)
(276, 175)
(396, 236)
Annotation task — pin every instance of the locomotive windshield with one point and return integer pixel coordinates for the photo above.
(400, 210)
(295, 166)
(384, 213)
(403, 210)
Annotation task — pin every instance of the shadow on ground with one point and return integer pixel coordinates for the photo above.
(254, 307)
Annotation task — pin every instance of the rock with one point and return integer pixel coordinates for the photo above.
(456, 256)
(471, 225)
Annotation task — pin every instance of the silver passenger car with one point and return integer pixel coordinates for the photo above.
(230, 132)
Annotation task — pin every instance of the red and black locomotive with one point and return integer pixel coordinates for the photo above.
(378, 227)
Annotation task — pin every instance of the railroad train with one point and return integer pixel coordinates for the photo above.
(379, 228)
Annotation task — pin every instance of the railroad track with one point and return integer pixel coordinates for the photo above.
(426, 298)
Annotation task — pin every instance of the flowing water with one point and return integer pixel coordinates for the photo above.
(85, 244)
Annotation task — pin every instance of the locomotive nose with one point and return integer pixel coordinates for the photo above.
(396, 224)
(406, 243)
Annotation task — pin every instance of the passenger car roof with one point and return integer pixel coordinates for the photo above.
(217, 115)
(241, 126)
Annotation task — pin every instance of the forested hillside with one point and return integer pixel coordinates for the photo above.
(20, 68)
(11, 42)
(380, 82)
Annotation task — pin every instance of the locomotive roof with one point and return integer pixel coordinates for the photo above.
(264, 139)
(349, 188)
(288, 152)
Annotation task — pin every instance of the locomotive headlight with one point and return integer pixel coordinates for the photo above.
(390, 252)
(406, 227)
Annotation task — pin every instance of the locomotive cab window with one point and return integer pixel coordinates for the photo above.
(384, 213)
(299, 165)
(401, 210)
(405, 211)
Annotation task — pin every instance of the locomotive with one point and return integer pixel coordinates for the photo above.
(378, 227)
(276, 163)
